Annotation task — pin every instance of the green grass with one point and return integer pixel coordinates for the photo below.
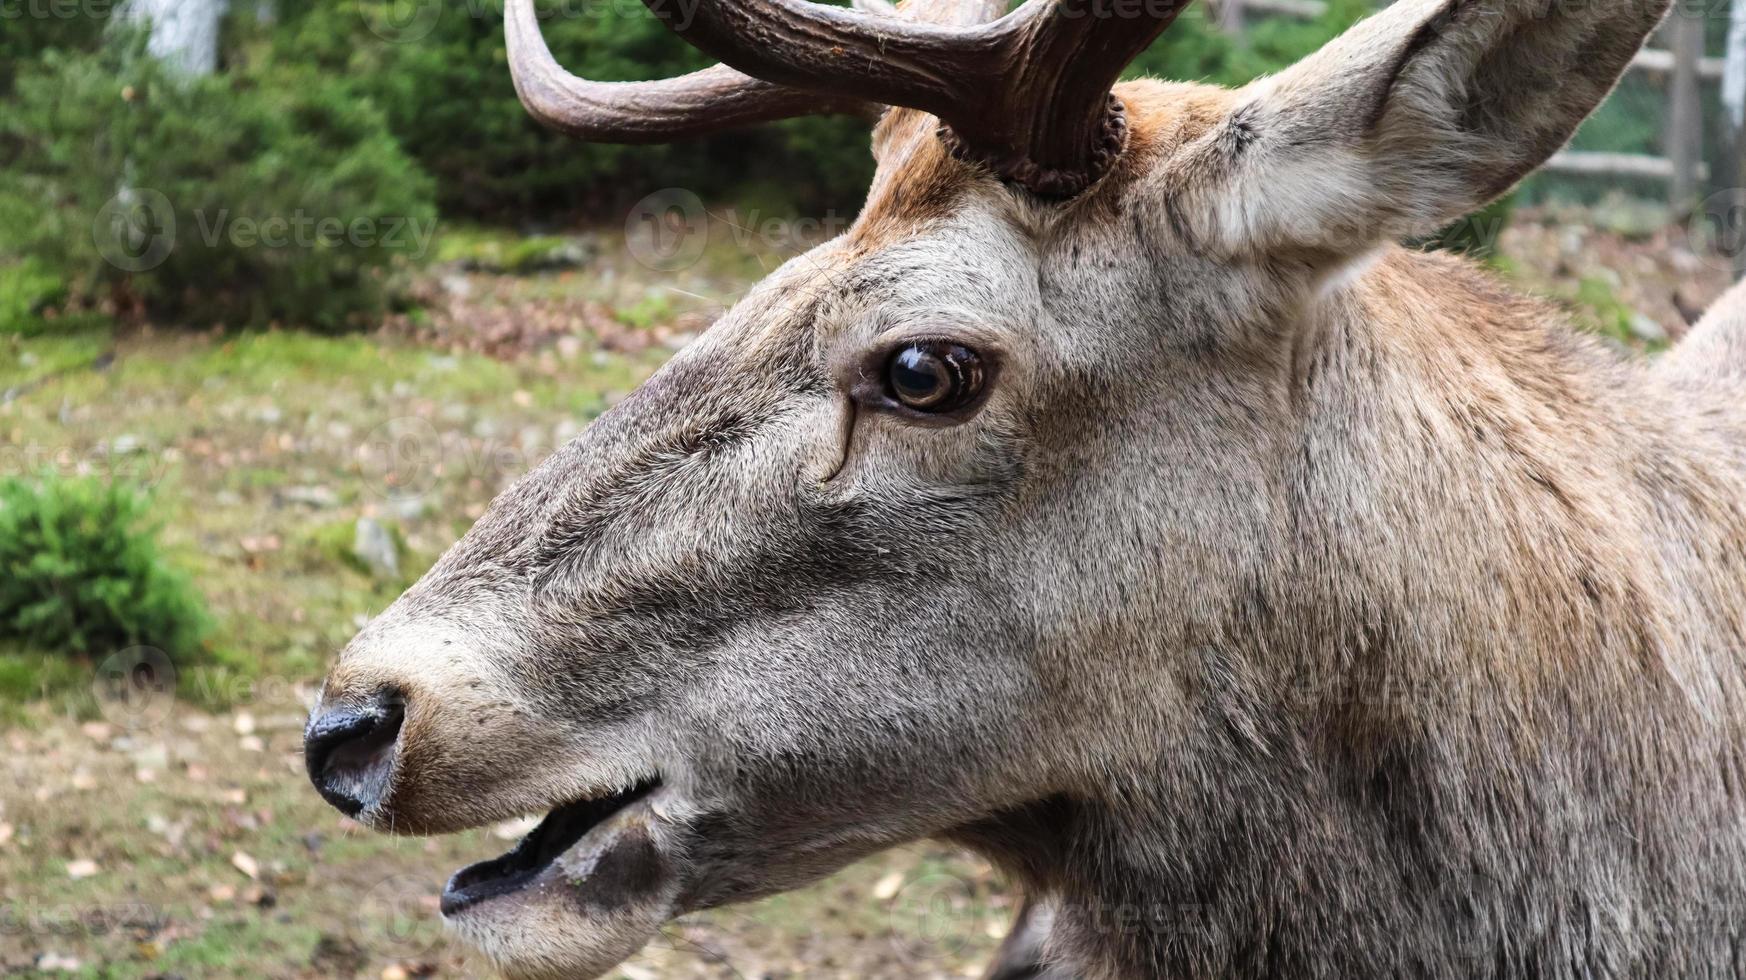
(229, 432)
(501, 250)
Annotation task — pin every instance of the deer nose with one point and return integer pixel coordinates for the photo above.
(349, 750)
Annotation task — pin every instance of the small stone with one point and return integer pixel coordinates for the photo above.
(151, 755)
(81, 869)
(243, 723)
(1646, 329)
(246, 864)
(375, 547)
(317, 497)
(410, 508)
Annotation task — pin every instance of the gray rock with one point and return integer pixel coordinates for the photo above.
(375, 547)
(1646, 329)
(410, 508)
(317, 497)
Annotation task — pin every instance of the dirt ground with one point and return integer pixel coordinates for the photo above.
(171, 842)
(176, 836)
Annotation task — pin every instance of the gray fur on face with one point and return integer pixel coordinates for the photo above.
(1294, 605)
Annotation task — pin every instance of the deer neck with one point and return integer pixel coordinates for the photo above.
(1408, 730)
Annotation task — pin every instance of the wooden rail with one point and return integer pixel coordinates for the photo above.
(1594, 164)
(1681, 64)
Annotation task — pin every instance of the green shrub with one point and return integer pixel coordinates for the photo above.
(1196, 49)
(440, 76)
(27, 289)
(30, 29)
(237, 200)
(84, 573)
(1478, 234)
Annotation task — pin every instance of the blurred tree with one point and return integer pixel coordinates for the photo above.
(26, 39)
(438, 72)
(227, 200)
(184, 33)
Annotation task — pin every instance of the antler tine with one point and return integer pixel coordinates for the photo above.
(1029, 94)
(703, 102)
(1062, 113)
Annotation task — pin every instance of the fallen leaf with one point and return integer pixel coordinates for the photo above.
(247, 865)
(888, 886)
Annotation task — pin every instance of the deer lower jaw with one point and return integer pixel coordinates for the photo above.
(582, 892)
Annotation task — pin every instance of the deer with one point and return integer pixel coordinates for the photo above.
(1119, 499)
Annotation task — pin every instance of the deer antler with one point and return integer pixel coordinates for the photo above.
(703, 102)
(1028, 94)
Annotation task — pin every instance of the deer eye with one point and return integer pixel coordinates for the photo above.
(934, 376)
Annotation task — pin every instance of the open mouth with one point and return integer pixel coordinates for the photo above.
(561, 830)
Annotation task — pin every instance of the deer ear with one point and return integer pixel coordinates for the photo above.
(1411, 119)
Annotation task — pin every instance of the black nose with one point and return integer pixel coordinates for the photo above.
(349, 751)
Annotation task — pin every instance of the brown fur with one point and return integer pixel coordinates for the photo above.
(1295, 605)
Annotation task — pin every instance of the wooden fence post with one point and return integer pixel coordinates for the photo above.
(1685, 115)
(1231, 16)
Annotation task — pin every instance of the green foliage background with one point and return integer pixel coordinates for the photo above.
(84, 573)
(226, 154)
(393, 112)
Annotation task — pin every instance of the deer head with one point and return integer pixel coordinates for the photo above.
(1008, 515)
